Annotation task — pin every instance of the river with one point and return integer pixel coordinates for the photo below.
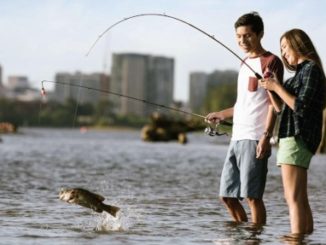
(167, 192)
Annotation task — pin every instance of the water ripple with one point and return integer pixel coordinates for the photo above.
(167, 192)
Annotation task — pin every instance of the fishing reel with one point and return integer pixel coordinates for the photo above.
(213, 131)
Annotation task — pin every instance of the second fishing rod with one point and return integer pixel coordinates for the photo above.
(43, 92)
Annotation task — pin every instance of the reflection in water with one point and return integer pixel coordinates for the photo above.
(244, 233)
(293, 239)
(167, 192)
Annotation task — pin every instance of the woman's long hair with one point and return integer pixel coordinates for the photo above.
(301, 44)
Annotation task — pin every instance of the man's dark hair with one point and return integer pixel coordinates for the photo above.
(252, 19)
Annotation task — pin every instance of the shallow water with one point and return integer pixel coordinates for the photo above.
(167, 192)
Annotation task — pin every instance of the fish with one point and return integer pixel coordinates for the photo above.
(87, 199)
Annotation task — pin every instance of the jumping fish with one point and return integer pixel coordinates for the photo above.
(87, 199)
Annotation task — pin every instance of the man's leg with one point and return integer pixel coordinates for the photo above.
(258, 211)
(235, 208)
(253, 179)
(230, 185)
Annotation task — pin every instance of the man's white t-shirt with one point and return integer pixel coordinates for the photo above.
(251, 107)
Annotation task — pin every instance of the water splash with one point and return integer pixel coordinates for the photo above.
(124, 220)
(108, 223)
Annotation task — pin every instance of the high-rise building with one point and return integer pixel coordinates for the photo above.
(197, 90)
(19, 89)
(0, 76)
(1, 85)
(65, 89)
(128, 77)
(144, 77)
(18, 82)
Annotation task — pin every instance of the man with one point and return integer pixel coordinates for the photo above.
(245, 167)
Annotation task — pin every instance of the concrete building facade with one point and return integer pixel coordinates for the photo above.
(197, 90)
(65, 87)
(144, 77)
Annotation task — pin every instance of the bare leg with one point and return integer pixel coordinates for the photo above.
(258, 211)
(309, 219)
(295, 192)
(235, 209)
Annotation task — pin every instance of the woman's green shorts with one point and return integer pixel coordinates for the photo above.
(293, 151)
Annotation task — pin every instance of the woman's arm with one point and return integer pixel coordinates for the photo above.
(288, 98)
(272, 84)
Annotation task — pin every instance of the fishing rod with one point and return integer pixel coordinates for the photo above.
(276, 107)
(43, 92)
(180, 20)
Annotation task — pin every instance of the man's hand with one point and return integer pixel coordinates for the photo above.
(263, 147)
(214, 117)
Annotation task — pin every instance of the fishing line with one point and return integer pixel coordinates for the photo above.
(76, 107)
(177, 19)
(277, 109)
(43, 92)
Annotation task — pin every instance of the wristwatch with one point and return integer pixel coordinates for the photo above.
(267, 134)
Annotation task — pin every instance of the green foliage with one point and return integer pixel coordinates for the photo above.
(69, 114)
(221, 90)
(220, 97)
(18, 113)
(103, 109)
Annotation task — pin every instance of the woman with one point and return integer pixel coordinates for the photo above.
(301, 122)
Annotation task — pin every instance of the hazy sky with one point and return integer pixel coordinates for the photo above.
(40, 38)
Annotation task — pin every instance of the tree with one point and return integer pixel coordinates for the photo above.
(222, 90)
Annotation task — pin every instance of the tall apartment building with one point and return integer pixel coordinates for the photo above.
(1, 84)
(18, 82)
(197, 90)
(2, 92)
(95, 80)
(19, 88)
(141, 76)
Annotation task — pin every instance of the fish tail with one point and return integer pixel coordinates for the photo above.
(111, 209)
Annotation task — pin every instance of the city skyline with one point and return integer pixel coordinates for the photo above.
(43, 38)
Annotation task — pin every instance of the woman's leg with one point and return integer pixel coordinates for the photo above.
(295, 192)
(309, 221)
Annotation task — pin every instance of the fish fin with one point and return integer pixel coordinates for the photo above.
(97, 208)
(101, 198)
(110, 209)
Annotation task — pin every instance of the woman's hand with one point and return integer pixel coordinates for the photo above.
(270, 83)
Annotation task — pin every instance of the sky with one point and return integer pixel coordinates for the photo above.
(42, 37)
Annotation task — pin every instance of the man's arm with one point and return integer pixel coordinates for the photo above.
(264, 142)
(215, 117)
(275, 101)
